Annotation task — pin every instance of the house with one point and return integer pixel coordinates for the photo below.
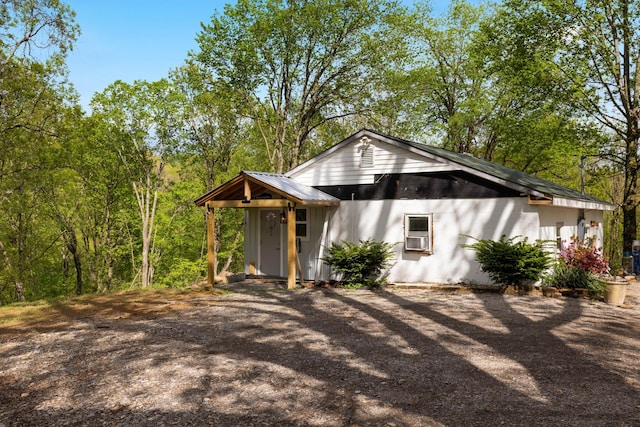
(422, 199)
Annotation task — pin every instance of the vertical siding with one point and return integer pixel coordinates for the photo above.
(251, 238)
(310, 248)
(343, 166)
(550, 215)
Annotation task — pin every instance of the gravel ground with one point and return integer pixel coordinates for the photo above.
(320, 357)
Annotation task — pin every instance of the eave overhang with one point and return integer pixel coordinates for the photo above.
(264, 190)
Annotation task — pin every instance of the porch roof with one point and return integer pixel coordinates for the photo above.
(262, 186)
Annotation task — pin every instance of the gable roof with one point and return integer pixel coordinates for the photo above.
(527, 184)
(281, 185)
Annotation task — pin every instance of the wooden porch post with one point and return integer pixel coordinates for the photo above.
(291, 247)
(211, 246)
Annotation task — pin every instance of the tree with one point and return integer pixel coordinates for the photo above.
(452, 94)
(28, 28)
(588, 52)
(30, 111)
(146, 113)
(102, 195)
(298, 64)
(212, 117)
(34, 37)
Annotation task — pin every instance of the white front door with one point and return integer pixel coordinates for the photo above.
(270, 243)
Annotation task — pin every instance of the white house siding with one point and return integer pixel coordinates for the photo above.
(251, 238)
(550, 216)
(382, 220)
(310, 247)
(343, 166)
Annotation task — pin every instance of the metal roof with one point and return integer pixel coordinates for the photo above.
(507, 174)
(503, 175)
(276, 183)
(287, 185)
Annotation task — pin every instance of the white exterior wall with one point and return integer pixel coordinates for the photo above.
(343, 166)
(309, 247)
(551, 215)
(251, 238)
(383, 220)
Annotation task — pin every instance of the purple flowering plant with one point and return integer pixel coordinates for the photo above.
(584, 255)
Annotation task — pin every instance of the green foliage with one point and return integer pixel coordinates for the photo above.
(273, 83)
(360, 264)
(300, 64)
(509, 261)
(183, 273)
(580, 57)
(563, 276)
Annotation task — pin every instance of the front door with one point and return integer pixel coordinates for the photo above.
(270, 243)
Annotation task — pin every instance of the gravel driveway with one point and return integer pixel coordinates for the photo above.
(333, 358)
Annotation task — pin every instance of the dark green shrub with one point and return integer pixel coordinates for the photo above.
(360, 264)
(511, 261)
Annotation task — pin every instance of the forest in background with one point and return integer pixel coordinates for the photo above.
(103, 200)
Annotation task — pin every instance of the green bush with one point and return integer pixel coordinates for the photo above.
(360, 264)
(511, 261)
(563, 276)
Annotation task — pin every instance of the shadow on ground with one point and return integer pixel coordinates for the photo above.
(333, 357)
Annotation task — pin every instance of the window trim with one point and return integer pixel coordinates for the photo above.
(305, 223)
(427, 235)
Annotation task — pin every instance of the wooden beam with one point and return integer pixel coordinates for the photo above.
(539, 201)
(300, 274)
(255, 203)
(291, 247)
(247, 189)
(211, 245)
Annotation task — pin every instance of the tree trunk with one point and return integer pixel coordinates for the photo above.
(630, 202)
(629, 227)
(107, 242)
(71, 242)
(17, 282)
(147, 201)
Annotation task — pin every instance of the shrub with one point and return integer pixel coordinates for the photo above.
(360, 263)
(511, 261)
(578, 265)
(564, 276)
(583, 255)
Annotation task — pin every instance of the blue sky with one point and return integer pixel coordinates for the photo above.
(133, 40)
(138, 39)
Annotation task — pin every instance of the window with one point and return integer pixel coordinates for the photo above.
(559, 226)
(417, 232)
(301, 224)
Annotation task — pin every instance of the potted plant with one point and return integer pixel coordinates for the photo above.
(615, 292)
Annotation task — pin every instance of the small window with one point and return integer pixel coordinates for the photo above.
(417, 232)
(559, 226)
(301, 224)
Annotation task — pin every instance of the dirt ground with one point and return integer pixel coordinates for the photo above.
(325, 357)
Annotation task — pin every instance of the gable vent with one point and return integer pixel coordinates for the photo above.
(366, 153)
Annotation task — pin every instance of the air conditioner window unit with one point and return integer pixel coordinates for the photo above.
(415, 243)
